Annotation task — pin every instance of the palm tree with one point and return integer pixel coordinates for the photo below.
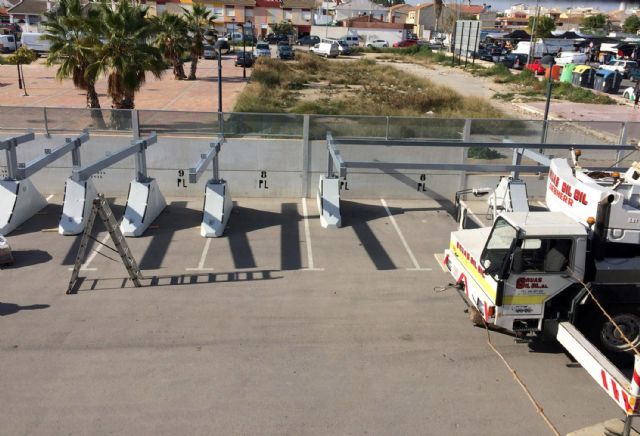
(173, 40)
(125, 56)
(199, 19)
(73, 45)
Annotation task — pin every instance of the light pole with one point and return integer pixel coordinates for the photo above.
(233, 31)
(244, 54)
(548, 62)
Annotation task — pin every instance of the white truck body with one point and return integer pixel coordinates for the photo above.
(543, 47)
(35, 42)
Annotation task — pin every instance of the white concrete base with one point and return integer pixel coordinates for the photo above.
(217, 209)
(329, 202)
(78, 201)
(144, 204)
(610, 427)
(19, 201)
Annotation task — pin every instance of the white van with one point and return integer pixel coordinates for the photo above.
(351, 40)
(35, 42)
(8, 44)
(326, 49)
(571, 57)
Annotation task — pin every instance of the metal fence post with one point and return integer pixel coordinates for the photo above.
(622, 140)
(46, 123)
(12, 160)
(466, 137)
(386, 135)
(306, 156)
(135, 124)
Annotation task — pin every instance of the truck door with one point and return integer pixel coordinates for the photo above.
(539, 270)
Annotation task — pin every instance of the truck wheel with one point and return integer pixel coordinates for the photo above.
(610, 336)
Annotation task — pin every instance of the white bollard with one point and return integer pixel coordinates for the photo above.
(19, 201)
(328, 198)
(78, 201)
(217, 209)
(144, 204)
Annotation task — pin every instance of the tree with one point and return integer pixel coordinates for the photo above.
(22, 56)
(171, 37)
(73, 45)
(199, 19)
(544, 26)
(631, 24)
(125, 57)
(283, 28)
(438, 10)
(594, 22)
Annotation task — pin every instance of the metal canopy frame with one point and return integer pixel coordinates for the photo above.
(339, 165)
(205, 159)
(138, 147)
(51, 155)
(9, 145)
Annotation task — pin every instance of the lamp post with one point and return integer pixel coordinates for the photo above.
(244, 54)
(548, 62)
(233, 31)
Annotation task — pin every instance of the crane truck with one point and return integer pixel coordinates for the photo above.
(539, 272)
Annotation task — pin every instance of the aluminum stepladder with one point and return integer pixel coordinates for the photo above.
(101, 207)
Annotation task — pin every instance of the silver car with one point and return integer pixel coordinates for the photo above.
(263, 50)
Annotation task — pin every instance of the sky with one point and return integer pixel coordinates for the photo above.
(500, 5)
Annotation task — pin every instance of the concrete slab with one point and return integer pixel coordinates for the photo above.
(611, 427)
(260, 344)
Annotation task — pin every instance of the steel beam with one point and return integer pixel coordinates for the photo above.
(9, 145)
(16, 140)
(205, 159)
(30, 168)
(335, 159)
(458, 143)
(455, 167)
(137, 146)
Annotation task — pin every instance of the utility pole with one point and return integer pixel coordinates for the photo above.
(533, 32)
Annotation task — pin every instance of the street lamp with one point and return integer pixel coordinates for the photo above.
(548, 62)
(244, 52)
(233, 31)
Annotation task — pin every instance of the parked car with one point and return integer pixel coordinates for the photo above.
(621, 66)
(309, 40)
(571, 57)
(244, 59)
(263, 50)
(514, 60)
(8, 44)
(405, 43)
(377, 43)
(272, 38)
(436, 43)
(343, 48)
(209, 52)
(629, 93)
(536, 67)
(634, 74)
(326, 49)
(285, 51)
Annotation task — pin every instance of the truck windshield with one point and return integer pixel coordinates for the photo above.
(498, 245)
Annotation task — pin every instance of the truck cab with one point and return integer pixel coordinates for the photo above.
(511, 270)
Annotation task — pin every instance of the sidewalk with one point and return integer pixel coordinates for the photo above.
(164, 94)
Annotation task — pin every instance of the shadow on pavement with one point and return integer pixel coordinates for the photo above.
(24, 258)
(10, 308)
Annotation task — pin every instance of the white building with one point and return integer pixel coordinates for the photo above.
(332, 11)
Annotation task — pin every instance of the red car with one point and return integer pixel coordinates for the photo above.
(536, 67)
(405, 43)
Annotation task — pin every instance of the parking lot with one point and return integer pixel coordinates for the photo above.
(278, 327)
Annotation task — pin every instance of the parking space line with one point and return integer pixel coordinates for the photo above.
(440, 261)
(203, 258)
(307, 239)
(416, 265)
(94, 253)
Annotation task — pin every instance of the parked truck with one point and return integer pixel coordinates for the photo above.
(544, 273)
(545, 46)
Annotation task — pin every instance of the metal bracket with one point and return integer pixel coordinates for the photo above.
(9, 145)
(71, 145)
(335, 159)
(137, 147)
(205, 158)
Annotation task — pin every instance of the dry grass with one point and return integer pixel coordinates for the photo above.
(316, 86)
